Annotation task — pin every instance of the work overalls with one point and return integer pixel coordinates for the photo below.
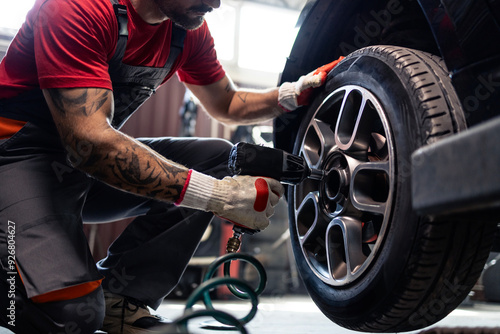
(47, 199)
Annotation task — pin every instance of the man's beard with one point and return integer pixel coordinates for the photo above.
(183, 19)
(187, 22)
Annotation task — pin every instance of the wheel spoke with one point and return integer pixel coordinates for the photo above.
(352, 132)
(344, 248)
(370, 187)
(318, 142)
(307, 216)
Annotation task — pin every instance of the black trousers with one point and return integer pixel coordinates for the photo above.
(47, 201)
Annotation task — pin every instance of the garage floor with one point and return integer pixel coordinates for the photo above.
(299, 315)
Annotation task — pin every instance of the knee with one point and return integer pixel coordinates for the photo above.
(222, 145)
(213, 157)
(84, 314)
(80, 315)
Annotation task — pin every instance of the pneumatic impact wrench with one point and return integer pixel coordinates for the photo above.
(256, 160)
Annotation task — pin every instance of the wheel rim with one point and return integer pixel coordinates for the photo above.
(341, 220)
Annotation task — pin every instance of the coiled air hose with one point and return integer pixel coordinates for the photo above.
(237, 287)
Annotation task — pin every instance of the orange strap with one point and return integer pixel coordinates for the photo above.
(68, 293)
(9, 126)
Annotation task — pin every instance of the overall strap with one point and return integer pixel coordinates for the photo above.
(176, 44)
(122, 18)
(133, 85)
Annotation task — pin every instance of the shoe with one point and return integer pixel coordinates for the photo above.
(125, 315)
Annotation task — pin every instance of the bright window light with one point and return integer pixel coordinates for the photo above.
(266, 36)
(221, 23)
(13, 13)
(253, 40)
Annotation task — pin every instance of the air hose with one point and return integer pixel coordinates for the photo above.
(237, 287)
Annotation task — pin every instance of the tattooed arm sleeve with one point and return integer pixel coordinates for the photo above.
(83, 117)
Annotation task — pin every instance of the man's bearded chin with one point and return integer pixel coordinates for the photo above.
(183, 19)
(187, 22)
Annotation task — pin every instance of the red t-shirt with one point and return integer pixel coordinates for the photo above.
(68, 43)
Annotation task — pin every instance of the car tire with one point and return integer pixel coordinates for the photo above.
(368, 261)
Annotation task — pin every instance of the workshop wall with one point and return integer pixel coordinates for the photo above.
(159, 116)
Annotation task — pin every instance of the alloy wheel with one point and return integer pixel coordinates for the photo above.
(342, 218)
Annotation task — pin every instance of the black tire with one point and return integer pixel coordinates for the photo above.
(367, 260)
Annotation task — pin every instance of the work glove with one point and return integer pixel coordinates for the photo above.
(244, 200)
(296, 94)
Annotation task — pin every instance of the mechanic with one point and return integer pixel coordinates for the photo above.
(72, 76)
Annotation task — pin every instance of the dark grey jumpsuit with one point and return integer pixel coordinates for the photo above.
(48, 200)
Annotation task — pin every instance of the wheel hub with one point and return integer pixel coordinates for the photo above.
(334, 187)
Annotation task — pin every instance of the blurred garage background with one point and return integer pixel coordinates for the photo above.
(253, 39)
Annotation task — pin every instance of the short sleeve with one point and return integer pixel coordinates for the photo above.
(201, 66)
(73, 41)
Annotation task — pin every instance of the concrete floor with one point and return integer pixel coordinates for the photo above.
(299, 315)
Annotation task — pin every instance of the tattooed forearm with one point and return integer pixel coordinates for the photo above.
(252, 106)
(243, 97)
(82, 117)
(136, 169)
(85, 101)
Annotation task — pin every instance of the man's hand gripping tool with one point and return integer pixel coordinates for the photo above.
(255, 160)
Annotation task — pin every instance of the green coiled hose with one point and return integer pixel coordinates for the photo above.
(237, 287)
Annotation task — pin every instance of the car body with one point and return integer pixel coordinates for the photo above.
(466, 34)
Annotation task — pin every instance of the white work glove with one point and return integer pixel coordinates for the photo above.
(244, 200)
(296, 94)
